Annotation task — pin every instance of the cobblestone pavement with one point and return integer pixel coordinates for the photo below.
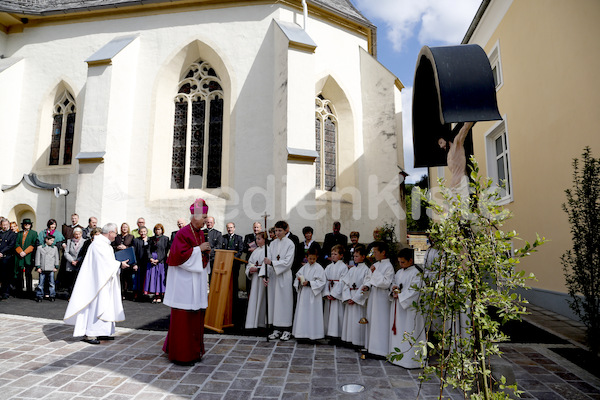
(40, 359)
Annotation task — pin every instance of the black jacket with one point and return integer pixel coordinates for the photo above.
(213, 237)
(8, 240)
(331, 240)
(236, 244)
(160, 246)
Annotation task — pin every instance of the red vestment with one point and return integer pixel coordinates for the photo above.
(185, 341)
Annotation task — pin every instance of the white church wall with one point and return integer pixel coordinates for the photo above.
(256, 133)
(11, 82)
(239, 42)
(379, 164)
(233, 54)
(338, 60)
(300, 100)
(119, 134)
(300, 135)
(341, 203)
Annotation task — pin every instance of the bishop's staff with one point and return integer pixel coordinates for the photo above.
(266, 277)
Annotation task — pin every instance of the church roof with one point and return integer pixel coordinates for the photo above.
(343, 8)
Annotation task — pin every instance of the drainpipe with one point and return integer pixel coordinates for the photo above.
(304, 12)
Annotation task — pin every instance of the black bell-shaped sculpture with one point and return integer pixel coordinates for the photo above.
(453, 84)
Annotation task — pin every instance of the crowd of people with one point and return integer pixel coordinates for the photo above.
(343, 291)
(57, 256)
(359, 303)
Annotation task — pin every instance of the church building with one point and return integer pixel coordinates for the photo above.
(139, 107)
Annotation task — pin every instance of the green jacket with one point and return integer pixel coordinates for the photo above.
(28, 246)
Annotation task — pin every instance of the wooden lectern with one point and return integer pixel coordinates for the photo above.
(218, 314)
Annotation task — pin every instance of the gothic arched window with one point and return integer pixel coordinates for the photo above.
(198, 129)
(63, 130)
(326, 126)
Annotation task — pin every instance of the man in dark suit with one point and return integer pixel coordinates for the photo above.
(333, 238)
(180, 224)
(8, 239)
(250, 239)
(67, 230)
(212, 236)
(231, 241)
(92, 223)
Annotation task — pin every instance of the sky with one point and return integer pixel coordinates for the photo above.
(403, 28)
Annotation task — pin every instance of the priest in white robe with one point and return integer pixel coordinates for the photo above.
(377, 285)
(95, 304)
(407, 325)
(309, 283)
(255, 271)
(279, 271)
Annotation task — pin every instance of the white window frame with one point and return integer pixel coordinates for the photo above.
(499, 129)
(441, 172)
(496, 61)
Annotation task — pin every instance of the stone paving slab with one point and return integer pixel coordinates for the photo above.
(39, 359)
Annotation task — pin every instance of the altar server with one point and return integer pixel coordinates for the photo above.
(309, 283)
(377, 285)
(255, 271)
(333, 307)
(354, 299)
(279, 262)
(406, 324)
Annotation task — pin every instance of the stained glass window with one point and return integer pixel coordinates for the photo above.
(63, 130)
(197, 141)
(326, 144)
(179, 140)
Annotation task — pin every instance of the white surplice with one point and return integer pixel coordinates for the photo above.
(404, 317)
(95, 304)
(255, 317)
(352, 331)
(333, 310)
(378, 307)
(281, 301)
(308, 320)
(187, 284)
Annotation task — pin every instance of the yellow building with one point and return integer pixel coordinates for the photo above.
(545, 55)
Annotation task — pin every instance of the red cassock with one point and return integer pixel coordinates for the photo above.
(185, 340)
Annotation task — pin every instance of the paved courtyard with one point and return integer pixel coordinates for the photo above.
(40, 359)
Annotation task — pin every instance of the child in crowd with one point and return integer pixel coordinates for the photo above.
(354, 299)
(255, 316)
(354, 236)
(272, 235)
(403, 316)
(377, 285)
(46, 264)
(333, 314)
(309, 283)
